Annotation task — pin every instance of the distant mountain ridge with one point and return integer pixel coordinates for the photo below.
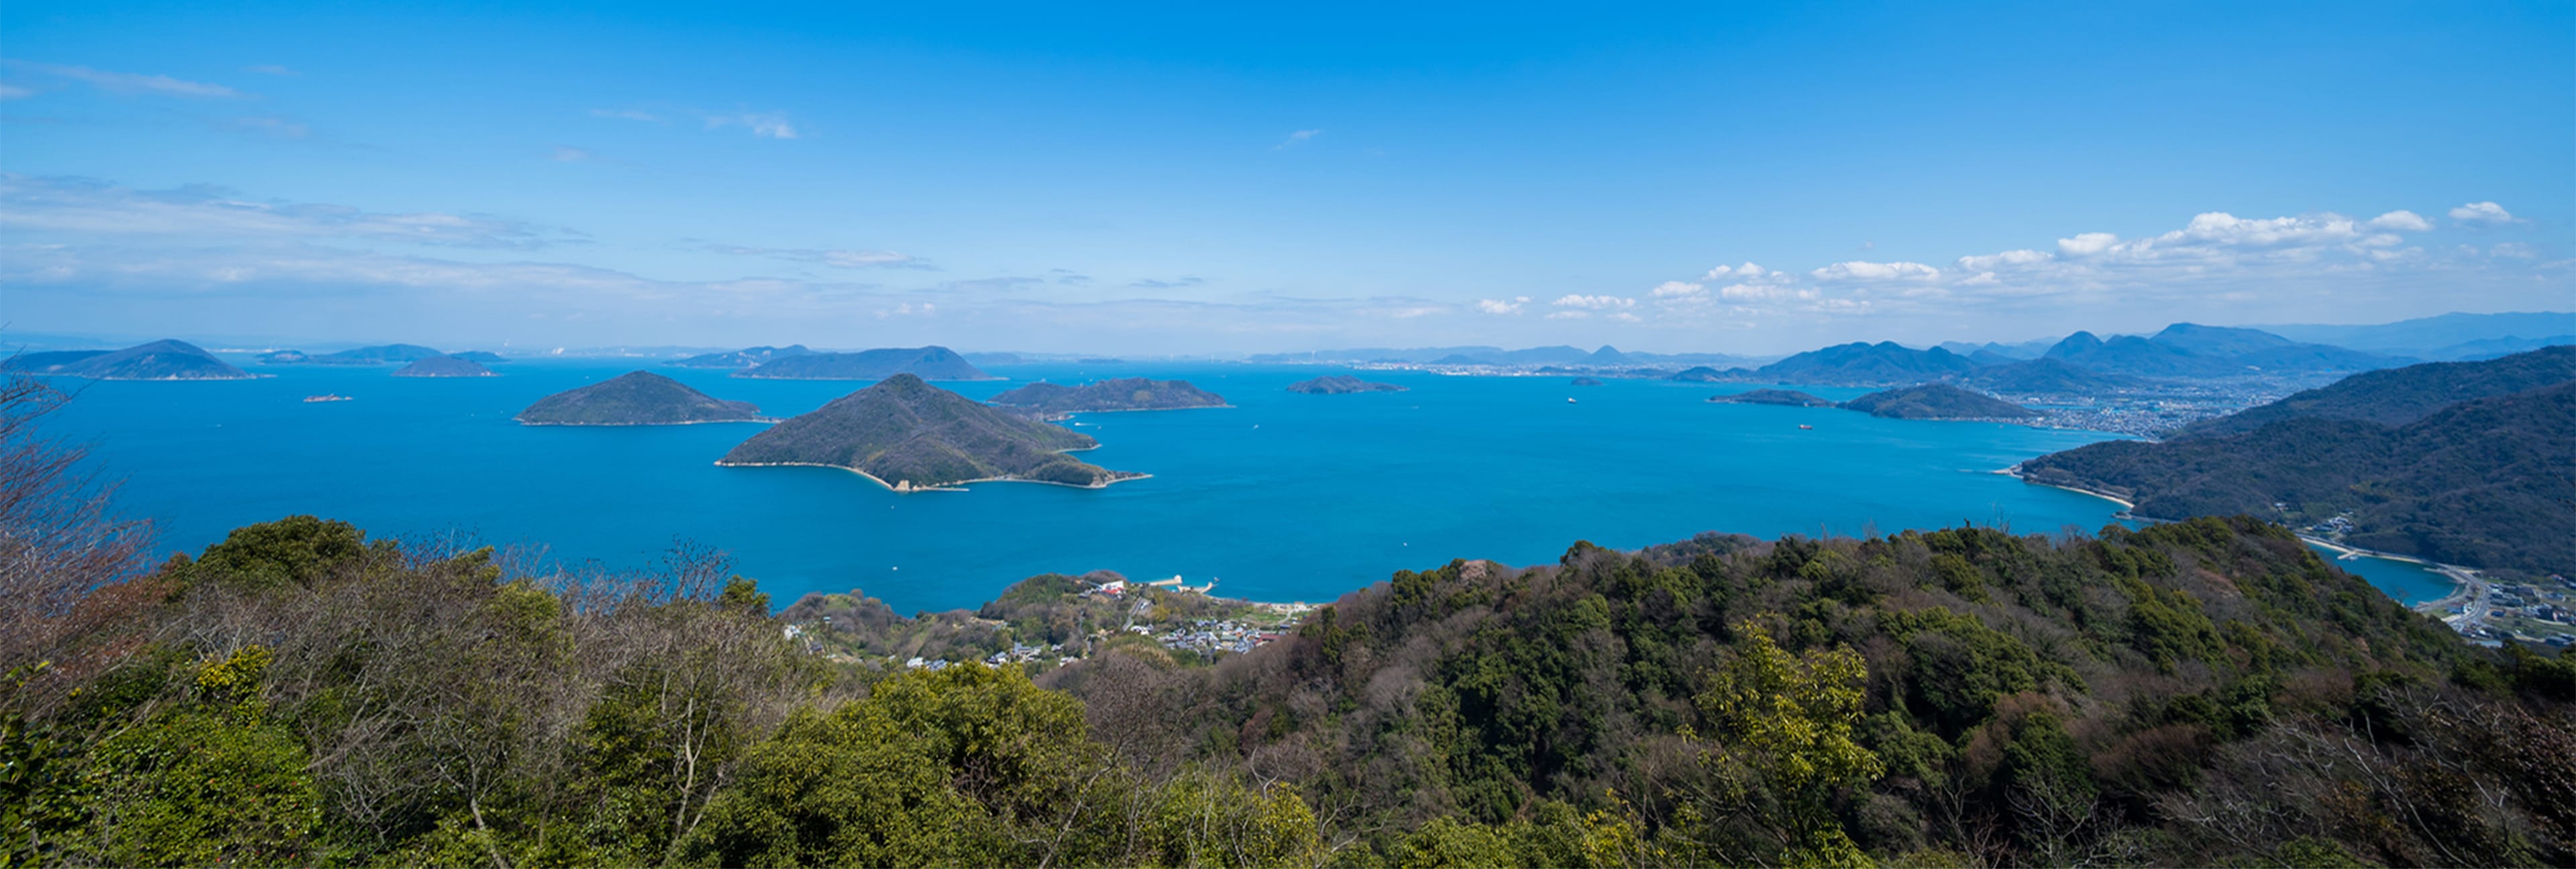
(167, 359)
(907, 434)
(929, 363)
(743, 358)
(2398, 396)
(2438, 337)
(444, 366)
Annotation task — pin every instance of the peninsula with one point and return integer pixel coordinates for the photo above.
(636, 398)
(909, 436)
(1340, 384)
(1785, 397)
(1126, 393)
(928, 363)
(158, 360)
(444, 366)
(1936, 401)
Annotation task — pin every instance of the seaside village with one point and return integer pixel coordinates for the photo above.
(1055, 625)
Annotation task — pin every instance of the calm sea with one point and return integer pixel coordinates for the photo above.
(1281, 497)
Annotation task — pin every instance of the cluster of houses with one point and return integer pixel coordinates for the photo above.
(1211, 636)
(1118, 587)
(2334, 528)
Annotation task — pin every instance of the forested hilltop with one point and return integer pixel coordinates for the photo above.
(2470, 463)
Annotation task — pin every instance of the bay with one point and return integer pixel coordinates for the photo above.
(1281, 497)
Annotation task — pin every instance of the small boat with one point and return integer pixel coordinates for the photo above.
(1805, 427)
(315, 399)
(1569, 401)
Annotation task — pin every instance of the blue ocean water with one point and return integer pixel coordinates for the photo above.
(1281, 497)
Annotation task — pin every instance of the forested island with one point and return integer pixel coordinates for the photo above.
(635, 398)
(1786, 397)
(443, 366)
(928, 363)
(743, 358)
(1339, 384)
(1126, 393)
(2397, 454)
(167, 359)
(1936, 401)
(909, 435)
(383, 354)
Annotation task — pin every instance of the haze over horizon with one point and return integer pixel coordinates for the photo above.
(1197, 181)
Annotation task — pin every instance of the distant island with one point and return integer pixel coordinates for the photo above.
(1340, 384)
(1936, 401)
(383, 354)
(444, 366)
(909, 435)
(1585, 381)
(1126, 393)
(483, 356)
(1785, 397)
(2425, 461)
(743, 358)
(1700, 374)
(158, 360)
(927, 363)
(636, 398)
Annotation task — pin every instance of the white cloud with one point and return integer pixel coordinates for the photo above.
(767, 125)
(2401, 220)
(1498, 306)
(1678, 290)
(1989, 262)
(2515, 250)
(14, 92)
(836, 258)
(2087, 243)
(130, 83)
(1626, 317)
(2483, 214)
(202, 214)
(1596, 303)
(1747, 271)
(1859, 270)
(1299, 137)
(1569, 315)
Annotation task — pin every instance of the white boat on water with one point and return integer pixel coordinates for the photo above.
(315, 399)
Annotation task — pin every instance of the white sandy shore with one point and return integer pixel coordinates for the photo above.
(2015, 473)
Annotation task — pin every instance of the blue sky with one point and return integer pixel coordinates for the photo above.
(1197, 179)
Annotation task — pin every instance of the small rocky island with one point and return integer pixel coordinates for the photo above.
(636, 398)
(1126, 393)
(1936, 401)
(443, 366)
(928, 363)
(911, 436)
(743, 358)
(158, 360)
(1340, 384)
(1785, 397)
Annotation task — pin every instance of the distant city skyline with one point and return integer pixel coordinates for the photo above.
(1752, 180)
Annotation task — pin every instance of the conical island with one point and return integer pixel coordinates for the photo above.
(910, 435)
(636, 398)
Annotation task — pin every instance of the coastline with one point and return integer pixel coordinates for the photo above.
(762, 420)
(2125, 504)
(958, 486)
(2467, 587)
